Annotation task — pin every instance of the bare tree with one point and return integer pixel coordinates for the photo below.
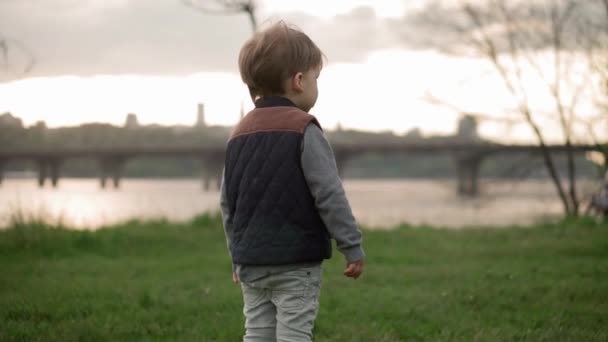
(540, 38)
(223, 7)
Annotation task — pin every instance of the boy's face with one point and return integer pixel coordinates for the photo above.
(303, 88)
(310, 91)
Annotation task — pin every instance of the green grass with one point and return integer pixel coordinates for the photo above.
(158, 281)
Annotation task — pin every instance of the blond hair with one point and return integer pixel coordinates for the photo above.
(275, 54)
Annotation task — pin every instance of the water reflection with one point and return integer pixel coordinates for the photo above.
(380, 203)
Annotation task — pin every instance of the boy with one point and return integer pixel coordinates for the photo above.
(281, 197)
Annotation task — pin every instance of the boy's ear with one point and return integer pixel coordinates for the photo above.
(296, 82)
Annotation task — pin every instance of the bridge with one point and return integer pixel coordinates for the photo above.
(468, 157)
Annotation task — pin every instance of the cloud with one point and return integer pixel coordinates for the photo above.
(444, 24)
(122, 37)
(88, 37)
(164, 37)
(348, 37)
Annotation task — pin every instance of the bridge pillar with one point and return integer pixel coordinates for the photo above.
(205, 174)
(111, 167)
(205, 179)
(212, 167)
(42, 172)
(341, 160)
(219, 171)
(468, 175)
(48, 168)
(2, 163)
(54, 166)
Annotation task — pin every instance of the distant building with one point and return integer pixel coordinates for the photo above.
(40, 125)
(200, 116)
(8, 120)
(414, 133)
(467, 128)
(131, 121)
(39, 131)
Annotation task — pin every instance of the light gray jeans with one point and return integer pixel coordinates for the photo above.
(282, 307)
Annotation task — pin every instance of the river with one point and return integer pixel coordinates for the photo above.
(80, 203)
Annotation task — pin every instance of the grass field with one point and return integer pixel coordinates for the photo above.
(159, 281)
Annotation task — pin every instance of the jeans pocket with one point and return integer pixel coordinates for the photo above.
(252, 296)
(291, 289)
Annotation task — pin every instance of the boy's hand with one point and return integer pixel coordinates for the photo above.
(354, 269)
(235, 278)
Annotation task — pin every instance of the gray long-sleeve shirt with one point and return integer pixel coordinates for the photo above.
(321, 173)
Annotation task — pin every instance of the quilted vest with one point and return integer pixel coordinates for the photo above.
(272, 210)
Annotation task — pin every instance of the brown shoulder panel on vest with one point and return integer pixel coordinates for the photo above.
(271, 119)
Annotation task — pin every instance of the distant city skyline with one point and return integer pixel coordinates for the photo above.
(131, 121)
(467, 125)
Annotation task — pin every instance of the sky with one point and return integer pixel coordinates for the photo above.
(97, 60)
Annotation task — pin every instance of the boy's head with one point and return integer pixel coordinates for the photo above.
(282, 61)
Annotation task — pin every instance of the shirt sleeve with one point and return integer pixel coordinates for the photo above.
(225, 210)
(321, 173)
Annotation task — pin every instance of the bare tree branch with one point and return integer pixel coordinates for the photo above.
(6, 46)
(558, 21)
(226, 7)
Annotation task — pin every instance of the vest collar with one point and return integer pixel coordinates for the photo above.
(273, 101)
